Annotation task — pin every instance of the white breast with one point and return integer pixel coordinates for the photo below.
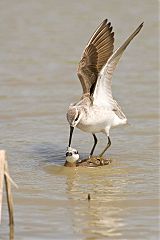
(96, 120)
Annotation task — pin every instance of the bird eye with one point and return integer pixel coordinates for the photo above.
(75, 152)
(76, 118)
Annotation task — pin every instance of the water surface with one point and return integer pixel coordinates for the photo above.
(40, 45)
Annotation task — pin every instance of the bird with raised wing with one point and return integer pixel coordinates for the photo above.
(97, 111)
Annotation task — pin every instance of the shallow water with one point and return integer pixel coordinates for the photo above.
(40, 45)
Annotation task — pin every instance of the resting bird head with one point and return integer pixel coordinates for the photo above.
(71, 155)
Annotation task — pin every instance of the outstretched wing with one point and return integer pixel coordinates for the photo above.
(103, 92)
(95, 55)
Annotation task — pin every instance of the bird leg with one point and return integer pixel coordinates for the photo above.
(108, 145)
(94, 145)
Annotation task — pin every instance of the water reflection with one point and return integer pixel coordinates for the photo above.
(102, 216)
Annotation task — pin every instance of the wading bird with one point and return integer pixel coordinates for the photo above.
(97, 111)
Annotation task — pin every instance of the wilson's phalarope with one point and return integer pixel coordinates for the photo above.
(97, 111)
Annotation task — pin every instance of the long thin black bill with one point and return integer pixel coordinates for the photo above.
(70, 137)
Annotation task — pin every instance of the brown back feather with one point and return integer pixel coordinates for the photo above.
(97, 52)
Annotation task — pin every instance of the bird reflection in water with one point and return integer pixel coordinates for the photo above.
(101, 216)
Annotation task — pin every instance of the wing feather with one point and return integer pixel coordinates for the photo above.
(103, 92)
(95, 55)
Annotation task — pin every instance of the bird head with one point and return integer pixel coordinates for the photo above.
(73, 116)
(72, 155)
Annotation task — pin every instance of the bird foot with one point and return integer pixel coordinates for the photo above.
(101, 160)
(98, 161)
